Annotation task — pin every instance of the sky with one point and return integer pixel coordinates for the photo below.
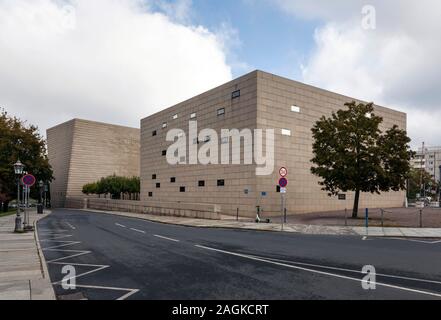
(119, 61)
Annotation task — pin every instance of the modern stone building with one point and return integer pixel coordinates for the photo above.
(257, 100)
(82, 151)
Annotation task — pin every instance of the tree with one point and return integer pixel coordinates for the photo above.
(20, 140)
(418, 177)
(113, 185)
(352, 154)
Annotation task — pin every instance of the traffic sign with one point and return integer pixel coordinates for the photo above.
(283, 182)
(283, 172)
(28, 180)
(282, 190)
(342, 196)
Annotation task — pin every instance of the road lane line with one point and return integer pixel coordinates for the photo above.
(415, 240)
(351, 270)
(165, 238)
(120, 225)
(136, 230)
(318, 272)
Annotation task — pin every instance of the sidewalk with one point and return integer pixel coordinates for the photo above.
(23, 273)
(294, 228)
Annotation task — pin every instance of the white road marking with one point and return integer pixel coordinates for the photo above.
(123, 297)
(76, 253)
(66, 243)
(165, 238)
(315, 271)
(415, 240)
(70, 226)
(136, 230)
(351, 270)
(120, 225)
(98, 268)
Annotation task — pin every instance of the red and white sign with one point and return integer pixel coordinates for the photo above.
(283, 182)
(283, 172)
(28, 180)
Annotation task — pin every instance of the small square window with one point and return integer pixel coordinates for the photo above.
(220, 183)
(201, 183)
(172, 179)
(153, 176)
(182, 189)
(175, 116)
(164, 125)
(221, 112)
(286, 132)
(164, 152)
(158, 185)
(154, 133)
(235, 94)
(193, 115)
(150, 194)
(295, 109)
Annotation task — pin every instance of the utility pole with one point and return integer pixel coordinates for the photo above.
(423, 158)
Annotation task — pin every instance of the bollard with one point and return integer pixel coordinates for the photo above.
(382, 218)
(346, 217)
(367, 218)
(421, 218)
(237, 214)
(285, 214)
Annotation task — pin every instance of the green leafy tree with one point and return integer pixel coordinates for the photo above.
(418, 180)
(113, 185)
(20, 140)
(352, 154)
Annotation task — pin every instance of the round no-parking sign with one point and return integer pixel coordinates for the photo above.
(28, 180)
(283, 182)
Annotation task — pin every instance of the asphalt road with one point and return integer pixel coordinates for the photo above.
(125, 258)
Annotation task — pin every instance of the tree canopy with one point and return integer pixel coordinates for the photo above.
(114, 186)
(420, 182)
(351, 153)
(20, 140)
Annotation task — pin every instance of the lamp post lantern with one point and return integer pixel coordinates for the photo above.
(18, 170)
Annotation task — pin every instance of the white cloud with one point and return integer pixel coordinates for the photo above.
(107, 60)
(396, 65)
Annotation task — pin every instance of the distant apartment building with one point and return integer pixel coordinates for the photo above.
(429, 159)
(82, 151)
(257, 100)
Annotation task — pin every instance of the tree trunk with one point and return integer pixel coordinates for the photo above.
(356, 201)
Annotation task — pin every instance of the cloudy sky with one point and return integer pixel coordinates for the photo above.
(120, 60)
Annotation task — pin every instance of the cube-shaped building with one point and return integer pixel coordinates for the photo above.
(82, 151)
(258, 100)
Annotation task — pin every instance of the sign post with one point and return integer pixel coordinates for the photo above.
(283, 182)
(28, 181)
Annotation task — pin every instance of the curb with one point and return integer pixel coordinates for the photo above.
(184, 224)
(43, 263)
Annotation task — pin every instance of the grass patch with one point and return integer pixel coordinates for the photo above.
(9, 213)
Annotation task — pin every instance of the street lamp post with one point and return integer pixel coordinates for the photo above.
(18, 169)
(41, 185)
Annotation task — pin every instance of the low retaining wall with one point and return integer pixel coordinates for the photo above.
(189, 210)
